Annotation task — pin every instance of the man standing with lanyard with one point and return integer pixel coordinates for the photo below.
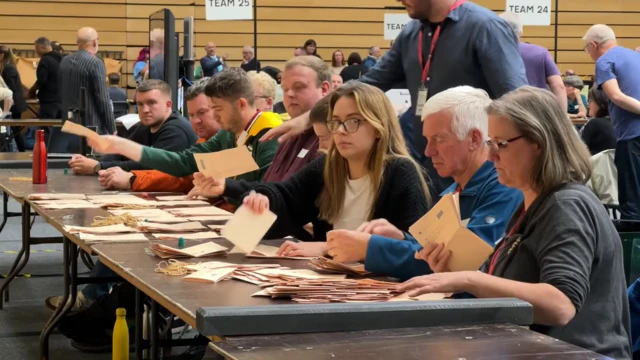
(459, 43)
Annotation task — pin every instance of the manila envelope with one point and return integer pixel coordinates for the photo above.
(442, 225)
(76, 129)
(226, 163)
(246, 229)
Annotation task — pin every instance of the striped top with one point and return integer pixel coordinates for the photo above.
(82, 69)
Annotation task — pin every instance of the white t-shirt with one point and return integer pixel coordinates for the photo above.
(357, 204)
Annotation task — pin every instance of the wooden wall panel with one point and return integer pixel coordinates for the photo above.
(284, 24)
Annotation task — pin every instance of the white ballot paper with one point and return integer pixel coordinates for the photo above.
(442, 225)
(57, 196)
(246, 229)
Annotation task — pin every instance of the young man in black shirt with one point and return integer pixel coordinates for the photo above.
(159, 127)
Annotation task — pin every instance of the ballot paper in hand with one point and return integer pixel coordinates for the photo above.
(226, 163)
(442, 225)
(246, 229)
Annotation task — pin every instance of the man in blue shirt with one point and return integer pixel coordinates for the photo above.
(475, 47)
(455, 125)
(618, 74)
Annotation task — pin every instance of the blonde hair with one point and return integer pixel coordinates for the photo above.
(316, 64)
(261, 80)
(564, 158)
(378, 111)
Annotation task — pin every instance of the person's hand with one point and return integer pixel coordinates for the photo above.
(347, 246)
(115, 178)
(438, 283)
(255, 202)
(306, 249)
(288, 130)
(205, 186)
(381, 227)
(81, 165)
(436, 256)
(105, 144)
(577, 93)
(582, 115)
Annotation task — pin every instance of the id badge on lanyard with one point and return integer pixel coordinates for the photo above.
(423, 92)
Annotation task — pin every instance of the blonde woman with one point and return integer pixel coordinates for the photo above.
(366, 174)
(561, 252)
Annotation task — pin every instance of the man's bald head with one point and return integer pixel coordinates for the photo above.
(87, 39)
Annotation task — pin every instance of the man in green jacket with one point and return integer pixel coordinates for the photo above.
(232, 98)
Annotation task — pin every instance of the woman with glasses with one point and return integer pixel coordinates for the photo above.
(598, 132)
(366, 174)
(561, 252)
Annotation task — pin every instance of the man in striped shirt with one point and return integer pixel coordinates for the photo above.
(84, 69)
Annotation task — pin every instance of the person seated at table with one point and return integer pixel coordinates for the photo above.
(232, 97)
(576, 102)
(562, 254)
(598, 132)
(455, 125)
(6, 96)
(305, 80)
(366, 174)
(202, 117)
(160, 127)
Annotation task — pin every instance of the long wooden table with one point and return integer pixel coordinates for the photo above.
(24, 160)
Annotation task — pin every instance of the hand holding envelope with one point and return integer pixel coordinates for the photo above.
(97, 142)
(226, 163)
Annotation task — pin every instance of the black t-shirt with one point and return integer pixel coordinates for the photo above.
(566, 239)
(599, 135)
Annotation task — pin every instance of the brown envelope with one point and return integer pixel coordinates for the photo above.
(226, 163)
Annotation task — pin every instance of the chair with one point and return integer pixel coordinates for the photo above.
(120, 108)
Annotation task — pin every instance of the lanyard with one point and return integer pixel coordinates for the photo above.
(436, 36)
(245, 134)
(496, 254)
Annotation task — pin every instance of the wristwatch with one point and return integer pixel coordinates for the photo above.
(97, 168)
(132, 179)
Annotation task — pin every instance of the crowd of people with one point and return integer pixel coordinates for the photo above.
(491, 121)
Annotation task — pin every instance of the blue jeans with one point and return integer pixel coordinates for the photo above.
(93, 291)
(627, 162)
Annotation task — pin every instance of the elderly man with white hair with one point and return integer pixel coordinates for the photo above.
(618, 74)
(455, 125)
(249, 62)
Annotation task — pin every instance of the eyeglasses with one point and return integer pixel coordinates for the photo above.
(261, 96)
(499, 145)
(349, 126)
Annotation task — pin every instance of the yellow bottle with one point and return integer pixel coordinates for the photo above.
(121, 336)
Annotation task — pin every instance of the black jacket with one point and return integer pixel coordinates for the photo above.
(251, 65)
(12, 79)
(353, 72)
(47, 78)
(401, 199)
(175, 134)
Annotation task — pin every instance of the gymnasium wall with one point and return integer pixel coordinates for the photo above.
(284, 24)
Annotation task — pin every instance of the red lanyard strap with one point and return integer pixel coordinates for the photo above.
(496, 254)
(436, 36)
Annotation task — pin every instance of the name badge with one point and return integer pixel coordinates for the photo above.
(422, 99)
(242, 138)
(303, 153)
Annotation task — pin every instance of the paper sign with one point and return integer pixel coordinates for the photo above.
(229, 9)
(393, 25)
(226, 163)
(531, 12)
(442, 225)
(246, 229)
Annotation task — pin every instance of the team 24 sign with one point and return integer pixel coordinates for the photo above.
(531, 12)
(229, 9)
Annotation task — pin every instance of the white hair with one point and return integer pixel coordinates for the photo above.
(248, 48)
(599, 33)
(467, 106)
(513, 20)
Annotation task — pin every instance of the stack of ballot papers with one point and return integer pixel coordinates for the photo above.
(187, 236)
(109, 229)
(116, 200)
(330, 266)
(177, 198)
(206, 249)
(66, 204)
(184, 226)
(315, 291)
(200, 211)
(271, 252)
(120, 238)
(56, 196)
(263, 275)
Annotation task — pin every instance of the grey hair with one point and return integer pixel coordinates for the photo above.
(513, 20)
(599, 33)
(467, 106)
(196, 89)
(249, 48)
(43, 41)
(538, 116)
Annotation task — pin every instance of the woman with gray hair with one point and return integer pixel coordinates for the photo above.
(561, 252)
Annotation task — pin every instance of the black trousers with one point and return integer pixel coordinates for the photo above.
(628, 164)
(18, 137)
(50, 111)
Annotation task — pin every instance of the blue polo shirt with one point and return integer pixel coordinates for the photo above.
(623, 65)
(484, 201)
